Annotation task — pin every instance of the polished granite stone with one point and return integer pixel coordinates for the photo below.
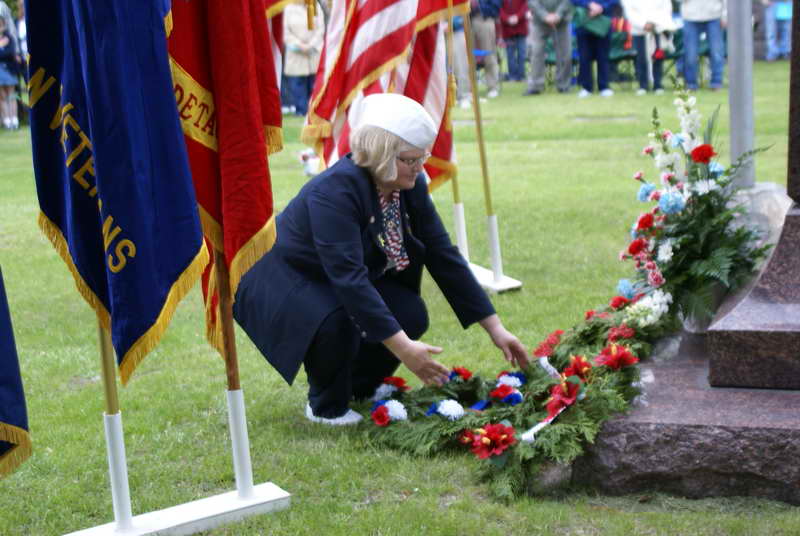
(688, 438)
(754, 340)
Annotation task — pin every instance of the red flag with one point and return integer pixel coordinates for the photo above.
(228, 100)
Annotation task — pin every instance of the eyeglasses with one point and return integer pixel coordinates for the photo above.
(413, 162)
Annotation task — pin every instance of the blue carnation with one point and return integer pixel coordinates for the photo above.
(452, 375)
(676, 140)
(716, 169)
(480, 405)
(671, 203)
(644, 192)
(625, 288)
(520, 376)
(513, 399)
(432, 409)
(377, 404)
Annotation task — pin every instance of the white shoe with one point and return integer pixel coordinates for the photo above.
(607, 92)
(492, 94)
(465, 104)
(351, 417)
(640, 92)
(582, 94)
(659, 91)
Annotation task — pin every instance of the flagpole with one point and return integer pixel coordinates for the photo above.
(458, 206)
(115, 440)
(237, 420)
(494, 281)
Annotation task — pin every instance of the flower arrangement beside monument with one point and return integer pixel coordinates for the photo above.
(687, 244)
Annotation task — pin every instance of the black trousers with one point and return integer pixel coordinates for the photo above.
(340, 366)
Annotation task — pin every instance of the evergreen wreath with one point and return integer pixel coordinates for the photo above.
(690, 241)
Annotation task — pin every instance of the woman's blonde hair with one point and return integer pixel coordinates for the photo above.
(376, 149)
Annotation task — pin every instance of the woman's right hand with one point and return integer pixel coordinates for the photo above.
(416, 356)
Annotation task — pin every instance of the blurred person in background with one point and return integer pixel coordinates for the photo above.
(482, 19)
(709, 17)
(778, 29)
(550, 19)
(301, 58)
(514, 29)
(8, 78)
(651, 26)
(594, 48)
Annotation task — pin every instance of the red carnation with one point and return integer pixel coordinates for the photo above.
(381, 415)
(466, 437)
(637, 246)
(703, 153)
(588, 315)
(464, 373)
(561, 395)
(578, 366)
(492, 440)
(555, 337)
(502, 391)
(645, 222)
(397, 381)
(618, 302)
(615, 357)
(620, 332)
(658, 54)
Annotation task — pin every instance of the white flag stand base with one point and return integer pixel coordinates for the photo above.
(493, 280)
(199, 515)
(487, 280)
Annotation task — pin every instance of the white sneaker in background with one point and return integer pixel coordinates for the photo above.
(607, 92)
(492, 94)
(640, 92)
(465, 103)
(349, 418)
(582, 94)
(659, 91)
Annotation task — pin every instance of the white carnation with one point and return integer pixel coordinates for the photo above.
(705, 186)
(665, 251)
(397, 411)
(513, 381)
(384, 390)
(451, 409)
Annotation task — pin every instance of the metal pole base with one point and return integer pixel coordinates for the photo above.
(200, 515)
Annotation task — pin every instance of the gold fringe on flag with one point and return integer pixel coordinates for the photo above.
(277, 7)
(250, 252)
(274, 138)
(442, 14)
(152, 336)
(211, 229)
(56, 237)
(449, 170)
(213, 316)
(317, 129)
(21, 451)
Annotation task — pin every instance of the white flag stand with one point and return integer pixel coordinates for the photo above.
(492, 280)
(202, 514)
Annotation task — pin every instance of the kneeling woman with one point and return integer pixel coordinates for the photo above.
(340, 290)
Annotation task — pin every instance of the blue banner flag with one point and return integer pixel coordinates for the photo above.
(112, 174)
(15, 444)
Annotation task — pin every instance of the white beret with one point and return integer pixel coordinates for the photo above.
(400, 115)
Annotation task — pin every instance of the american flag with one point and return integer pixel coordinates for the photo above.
(374, 46)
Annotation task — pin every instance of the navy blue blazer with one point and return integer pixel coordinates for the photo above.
(327, 255)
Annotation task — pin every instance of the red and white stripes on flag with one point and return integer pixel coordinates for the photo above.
(374, 46)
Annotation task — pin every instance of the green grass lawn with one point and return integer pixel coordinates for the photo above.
(561, 183)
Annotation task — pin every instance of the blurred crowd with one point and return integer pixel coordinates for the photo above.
(575, 46)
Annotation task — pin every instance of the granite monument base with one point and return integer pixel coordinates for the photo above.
(756, 341)
(690, 439)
